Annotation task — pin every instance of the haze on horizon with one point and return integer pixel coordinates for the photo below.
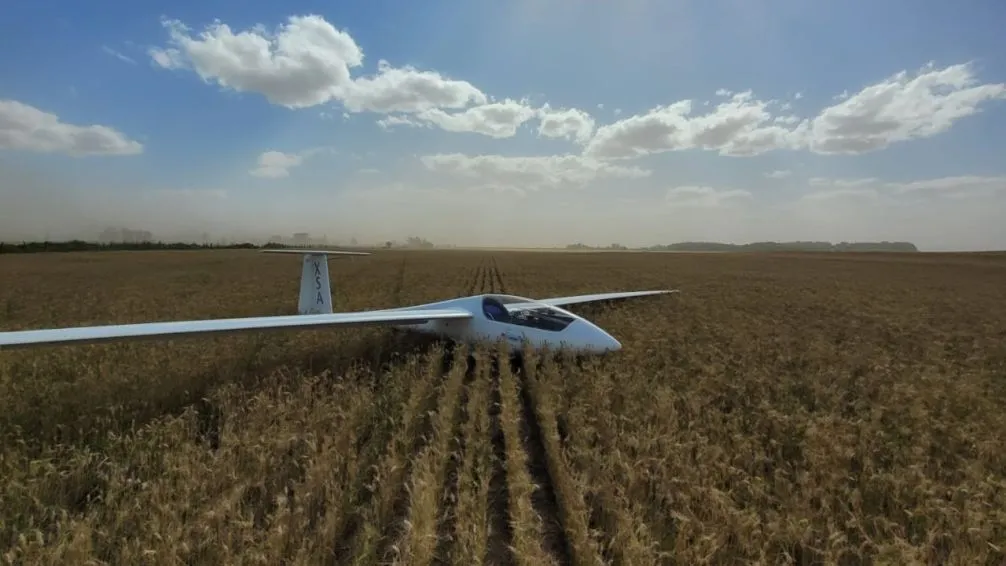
(525, 123)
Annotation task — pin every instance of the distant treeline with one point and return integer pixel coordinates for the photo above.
(82, 246)
(788, 247)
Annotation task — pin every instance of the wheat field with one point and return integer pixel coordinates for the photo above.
(782, 409)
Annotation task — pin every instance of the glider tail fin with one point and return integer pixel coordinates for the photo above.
(315, 284)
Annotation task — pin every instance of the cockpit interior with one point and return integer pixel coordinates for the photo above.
(538, 316)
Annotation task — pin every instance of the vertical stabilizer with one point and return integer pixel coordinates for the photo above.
(315, 285)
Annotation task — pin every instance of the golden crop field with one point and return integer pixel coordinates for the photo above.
(782, 409)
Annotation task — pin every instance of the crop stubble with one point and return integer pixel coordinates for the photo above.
(832, 408)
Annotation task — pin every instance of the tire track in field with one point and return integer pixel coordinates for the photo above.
(544, 498)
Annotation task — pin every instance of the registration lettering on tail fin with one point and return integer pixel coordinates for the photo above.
(315, 287)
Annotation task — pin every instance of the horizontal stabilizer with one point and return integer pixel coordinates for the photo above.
(311, 252)
(315, 285)
(183, 328)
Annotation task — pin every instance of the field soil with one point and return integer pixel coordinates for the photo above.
(782, 409)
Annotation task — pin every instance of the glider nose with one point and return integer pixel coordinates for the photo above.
(609, 344)
(596, 341)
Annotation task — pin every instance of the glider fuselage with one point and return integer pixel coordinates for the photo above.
(540, 325)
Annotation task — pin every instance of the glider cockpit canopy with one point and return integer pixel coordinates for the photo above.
(525, 312)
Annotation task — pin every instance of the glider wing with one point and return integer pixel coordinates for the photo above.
(182, 328)
(578, 299)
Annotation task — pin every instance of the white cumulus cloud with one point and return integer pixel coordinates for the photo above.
(393, 120)
(742, 125)
(276, 164)
(306, 62)
(565, 123)
(528, 173)
(701, 196)
(899, 108)
(407, 89)
(25, 127)
(496, 119)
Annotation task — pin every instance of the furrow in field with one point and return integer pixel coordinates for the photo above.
(467, 543)
(484, 277)
(307, 509)
(620, 534)
(412, 533)
(391, 505)
(474, 280)
(500, 285)
(491, 275)
(396, 292)
(532, 523)
(447, 505)
(395, 422)
(544, 497)
(498, 551)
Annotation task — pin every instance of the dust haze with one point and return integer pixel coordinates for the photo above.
(36, 206)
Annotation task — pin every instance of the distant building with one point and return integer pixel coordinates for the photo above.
(301, 239)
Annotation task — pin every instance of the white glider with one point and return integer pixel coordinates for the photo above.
(541, 323)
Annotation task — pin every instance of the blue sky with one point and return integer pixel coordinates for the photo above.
(519, 123)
